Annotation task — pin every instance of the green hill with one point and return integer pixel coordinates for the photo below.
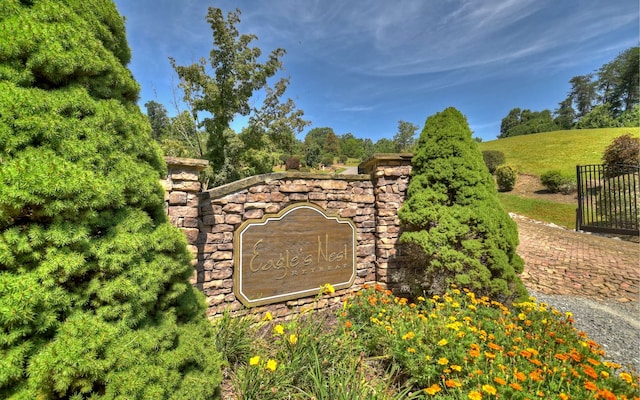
(559, 150)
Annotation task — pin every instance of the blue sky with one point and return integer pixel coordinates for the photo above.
(361, 66)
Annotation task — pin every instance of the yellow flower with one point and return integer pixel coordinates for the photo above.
(456, 368)
(489, 389)
(254, 360)
(433, 389)
(475, 395)
(408, 335)
(293, 338)
(327, 288)
(411, 350)
(626, 377)
(279, 329)
(442, 342)
(271, 365)
(267, 316)
(443, 361)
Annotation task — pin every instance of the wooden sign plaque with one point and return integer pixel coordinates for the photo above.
(292, 255)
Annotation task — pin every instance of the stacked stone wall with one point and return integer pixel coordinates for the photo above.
(209, 219)
(223, 212)
(182, 198)
(390, 174)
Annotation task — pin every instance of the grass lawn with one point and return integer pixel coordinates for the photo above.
(559, 150)
(540, 210)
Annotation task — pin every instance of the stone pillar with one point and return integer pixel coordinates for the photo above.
(181, 198)
(390, 174)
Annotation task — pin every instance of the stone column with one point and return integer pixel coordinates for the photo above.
(181, 198)
(390, 174)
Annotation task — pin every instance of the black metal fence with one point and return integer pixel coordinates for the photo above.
(608, 199)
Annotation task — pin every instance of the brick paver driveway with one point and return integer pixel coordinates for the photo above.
(560, 261)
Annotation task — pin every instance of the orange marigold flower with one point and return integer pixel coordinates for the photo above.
(348, 324)
(494, 346)
(590, 385)
(605, 394)
(536, 362)
(474, 353)
(588, 370)
(450, 383)
(433, 389)
(562, 357)
(564, 396)
(520, 376)
(516, 386)
(499, 381)
(575, 356)
(535, 375)
(411, 350)
(525, 353)
(593, 362)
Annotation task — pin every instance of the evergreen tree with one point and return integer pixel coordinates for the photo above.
(454, 228)
(94, 294)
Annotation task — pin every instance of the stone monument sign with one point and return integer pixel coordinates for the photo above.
(293, 254)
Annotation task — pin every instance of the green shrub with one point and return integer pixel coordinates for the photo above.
(623, 150)
(327, 160)
(506, 177)
(493, 159)
(454, 229)
(555, 182)
(94, 282)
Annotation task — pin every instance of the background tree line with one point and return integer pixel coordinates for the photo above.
(606, 98)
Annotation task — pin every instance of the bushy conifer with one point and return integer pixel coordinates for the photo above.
(94, 294)
(454, 228)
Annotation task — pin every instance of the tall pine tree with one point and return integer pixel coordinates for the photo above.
(94, 294)
(454, 228)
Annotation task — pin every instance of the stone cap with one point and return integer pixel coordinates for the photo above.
(221, 191)
(194, 163)
(368, 166)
